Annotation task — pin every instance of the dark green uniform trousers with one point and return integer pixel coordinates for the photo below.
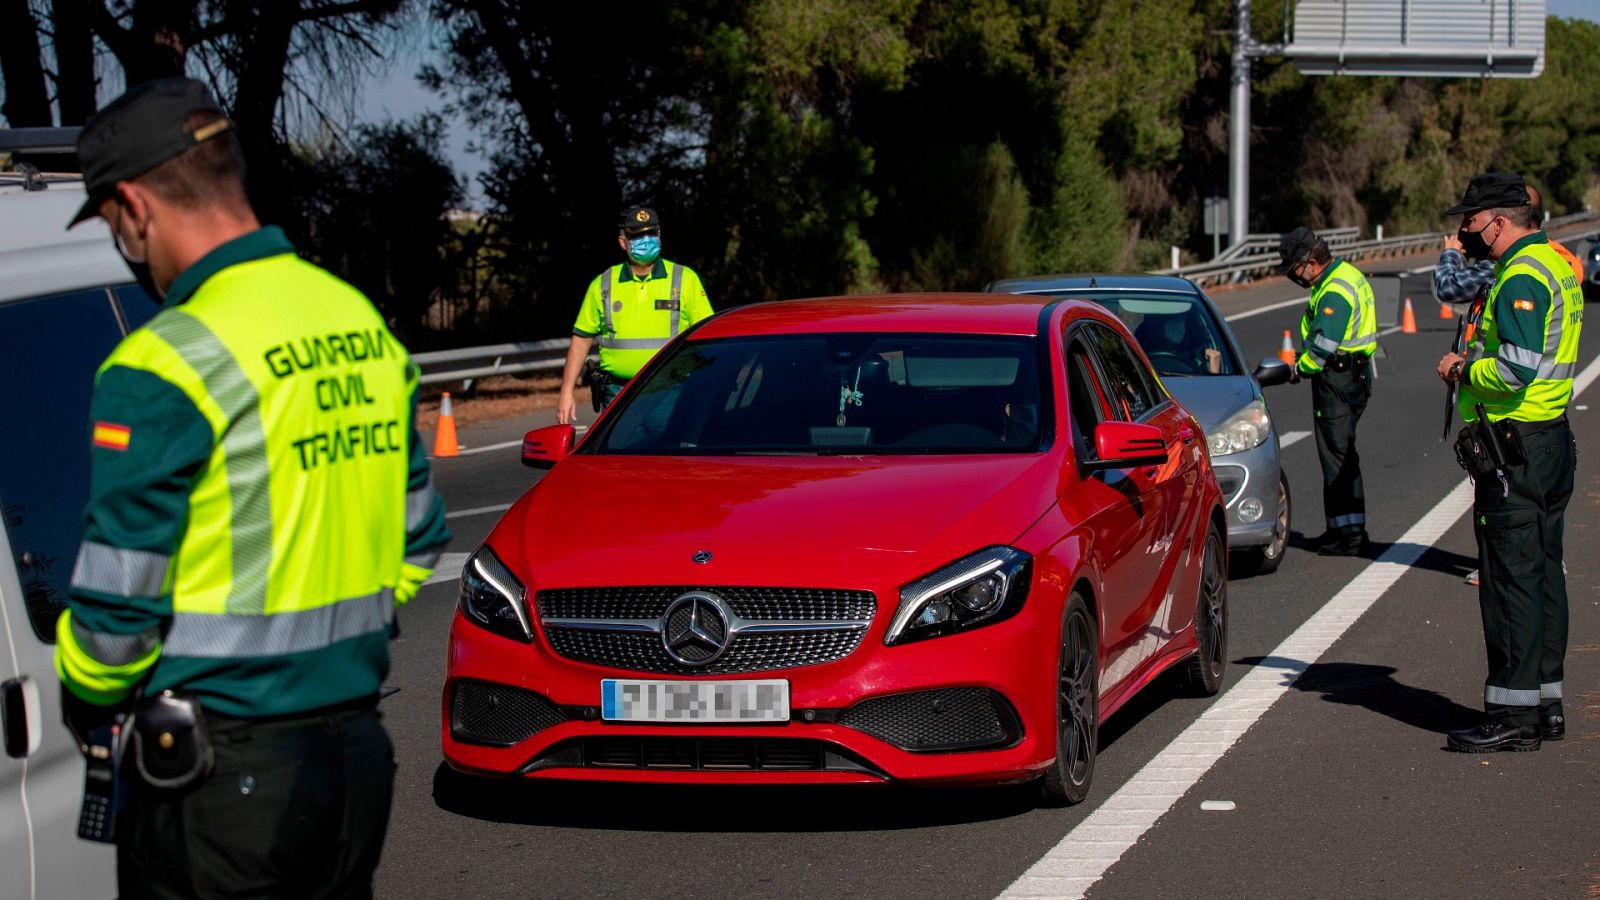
(1523, 588)
(1338, 400)
(293, 808)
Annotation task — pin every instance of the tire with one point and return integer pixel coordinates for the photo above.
(1202, 674)
(1077, 679)
(1265, 560)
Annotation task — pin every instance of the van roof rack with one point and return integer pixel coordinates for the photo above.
(30, 153)
(39, 140)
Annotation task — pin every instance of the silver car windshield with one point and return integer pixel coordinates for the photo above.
(835, 394)
(1177, 332)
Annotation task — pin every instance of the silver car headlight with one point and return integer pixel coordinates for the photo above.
(493, 597)
(1244, 430)
(980, 589)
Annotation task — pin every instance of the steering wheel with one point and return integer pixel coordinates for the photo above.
(1176, 362)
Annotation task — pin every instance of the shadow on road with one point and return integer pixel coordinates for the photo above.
(1374, 687)
(643, 807)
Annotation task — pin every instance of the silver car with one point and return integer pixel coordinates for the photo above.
(1199, 361)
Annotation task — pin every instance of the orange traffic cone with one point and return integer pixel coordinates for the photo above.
(1287, 353)
(1445, 312)
(444, 437)
(1408, 320)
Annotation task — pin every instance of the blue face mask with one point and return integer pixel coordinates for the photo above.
(644, 249)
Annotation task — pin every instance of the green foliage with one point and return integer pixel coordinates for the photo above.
(800, 147)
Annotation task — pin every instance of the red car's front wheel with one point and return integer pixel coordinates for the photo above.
(1067, 780)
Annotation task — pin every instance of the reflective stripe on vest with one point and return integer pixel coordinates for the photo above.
(228, 636)
(1361, 333)
(1554, 364)
(608, 333)
(245, 447)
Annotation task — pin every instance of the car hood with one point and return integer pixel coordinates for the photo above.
(1211, 399)
(800, 520)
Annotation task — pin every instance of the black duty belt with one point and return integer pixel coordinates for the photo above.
(1529, 429)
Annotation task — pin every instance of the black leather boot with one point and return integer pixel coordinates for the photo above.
(1494, 736)
(1553, 728)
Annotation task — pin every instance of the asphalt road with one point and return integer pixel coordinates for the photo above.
(1340, 789)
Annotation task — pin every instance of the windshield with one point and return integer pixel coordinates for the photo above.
(840, 394)
(1176, 331)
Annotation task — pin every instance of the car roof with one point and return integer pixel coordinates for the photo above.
(1031, 284)
(908, 313)
(38, 256)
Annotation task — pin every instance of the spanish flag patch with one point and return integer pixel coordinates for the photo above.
(1523, 304)
(112, 436)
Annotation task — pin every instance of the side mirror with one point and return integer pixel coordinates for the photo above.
(542, 448)
(1271, 371)
(1123, 445)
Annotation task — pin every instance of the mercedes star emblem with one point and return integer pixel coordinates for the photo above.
(702, 556)
(696, 628)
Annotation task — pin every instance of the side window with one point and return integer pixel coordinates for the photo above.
(138, 307)
(1132, 387)
(50, 349)
(1085, 399)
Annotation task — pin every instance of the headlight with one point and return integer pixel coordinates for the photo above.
(1244, 430)
(985, 587)
(493, 597)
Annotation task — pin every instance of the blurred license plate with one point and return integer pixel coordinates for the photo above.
(694, 701)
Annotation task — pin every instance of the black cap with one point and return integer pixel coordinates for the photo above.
(1295, 246)
(141, 130)
(637, 219)
(1492, 190)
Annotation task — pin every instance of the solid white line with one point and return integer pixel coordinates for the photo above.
(1291, 437)
(448, 569)
(1082, 857)
(477, 511)
(1298, 301)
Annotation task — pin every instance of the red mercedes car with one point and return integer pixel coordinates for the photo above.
(917, 539)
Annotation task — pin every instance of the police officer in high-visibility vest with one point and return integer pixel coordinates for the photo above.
(1523, 380)
(631, 309)
(1338, 335)
(259, 504)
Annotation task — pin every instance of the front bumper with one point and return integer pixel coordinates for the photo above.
(1243, 477)
(994, 686)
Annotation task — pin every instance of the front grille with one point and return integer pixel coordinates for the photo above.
(484, 713)
(943, 720)
(699, 754)
(754, 651)
(814, 604)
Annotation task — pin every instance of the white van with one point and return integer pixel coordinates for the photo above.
(66, 299)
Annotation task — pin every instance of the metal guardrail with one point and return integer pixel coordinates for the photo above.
(1255, 255)
(494, 359)
(1242, 264)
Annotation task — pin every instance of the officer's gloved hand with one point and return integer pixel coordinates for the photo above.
(84, 719)
(1294, 374)
(411, 580)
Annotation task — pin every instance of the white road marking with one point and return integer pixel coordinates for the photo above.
(477, 511)
(1082, 857)
(1298, 301)
(448, 569)
(1291, 437)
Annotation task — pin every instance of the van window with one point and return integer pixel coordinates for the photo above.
(50, 348)
(138, 307)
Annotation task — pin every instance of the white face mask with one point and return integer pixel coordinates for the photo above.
(122, 245)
